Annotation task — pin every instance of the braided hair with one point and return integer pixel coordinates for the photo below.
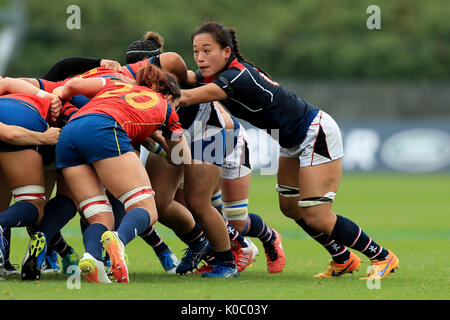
(225, 37)
(151, 45)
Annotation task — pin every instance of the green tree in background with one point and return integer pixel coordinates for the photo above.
(288, 38)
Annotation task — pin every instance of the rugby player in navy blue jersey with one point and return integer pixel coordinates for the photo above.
(310, 142)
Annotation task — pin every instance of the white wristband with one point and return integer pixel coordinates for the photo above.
(41, 93)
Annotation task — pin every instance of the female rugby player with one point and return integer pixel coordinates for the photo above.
(96, 142)
(310, 141)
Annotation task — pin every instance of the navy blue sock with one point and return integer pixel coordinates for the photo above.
(235, 235)
(21, 214)
(193, 237)
(57, 212)
(59, 244)
(347, 232)
(7, 237)
(225, 256)
(91, 240)
(259, 229)
(339, 253)
(151, 236)
(135, 222)
(118, 210)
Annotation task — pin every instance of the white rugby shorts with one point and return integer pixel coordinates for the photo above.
(237, 164)
(323, 143)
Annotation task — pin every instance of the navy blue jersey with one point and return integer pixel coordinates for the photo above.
(254, 97)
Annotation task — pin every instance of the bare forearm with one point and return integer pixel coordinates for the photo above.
(23, 137)
(12, 85)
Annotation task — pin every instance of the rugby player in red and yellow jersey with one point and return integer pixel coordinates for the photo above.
(25, 107)
(95, 150)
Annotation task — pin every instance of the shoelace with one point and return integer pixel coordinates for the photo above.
(189, 253)
(5, 242)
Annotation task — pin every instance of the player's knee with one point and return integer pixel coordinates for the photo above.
(319, 218)
(288, 200)
(289, 211)
(315, 222)
(197, 205)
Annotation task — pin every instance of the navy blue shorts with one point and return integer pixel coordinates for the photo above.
(90, 138)
(20, 113)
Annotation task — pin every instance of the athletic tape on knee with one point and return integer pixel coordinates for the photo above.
(316, 201)
(136, 195)
(95, 205)
(287, 192)
(216, 200)
(236, 210)
(28, 193)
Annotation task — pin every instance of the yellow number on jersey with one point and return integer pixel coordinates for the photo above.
(151, 103)
(126, 87)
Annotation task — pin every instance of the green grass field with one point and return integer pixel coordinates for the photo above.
(408, 214)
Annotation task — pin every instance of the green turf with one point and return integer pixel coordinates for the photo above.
(408, 214)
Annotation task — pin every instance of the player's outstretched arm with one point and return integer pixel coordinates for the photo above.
(206, 93)
(20, 136)
(76, 86)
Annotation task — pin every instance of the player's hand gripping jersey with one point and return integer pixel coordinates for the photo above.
(100, 72)
(139, 110)
(77, 102)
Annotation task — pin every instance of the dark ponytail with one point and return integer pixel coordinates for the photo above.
(224, 37)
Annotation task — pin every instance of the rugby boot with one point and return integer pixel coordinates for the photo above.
(169, 261)
(116, 251)
(276, 259)
(92, 269)
(34, 257)
(244, 256)
(380, 269)
(70, 259)
(336, 269)
(50, 264)
(222, 270)
(193, 255)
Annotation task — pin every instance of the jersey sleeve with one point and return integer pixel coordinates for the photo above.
(67, 111)
(225, 80)
(49, 86)
(172, 126)
(71, 66)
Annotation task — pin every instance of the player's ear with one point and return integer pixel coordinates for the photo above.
(227, 52)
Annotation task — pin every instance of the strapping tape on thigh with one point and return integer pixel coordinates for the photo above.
(316, 201)
(287, 192)
(95, 205)
(28, 193)
(136, 195)
(236, 210)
